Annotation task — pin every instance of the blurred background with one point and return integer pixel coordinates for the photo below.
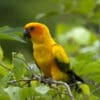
(16, 13)
(70, 21)
(75, 24)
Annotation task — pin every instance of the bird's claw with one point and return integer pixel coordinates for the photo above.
(46, 80)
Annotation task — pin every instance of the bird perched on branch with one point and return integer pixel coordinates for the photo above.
(50, 56)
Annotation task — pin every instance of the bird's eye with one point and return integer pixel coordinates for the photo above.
(31, 28)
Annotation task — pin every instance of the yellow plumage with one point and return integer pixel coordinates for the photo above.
(50, 56)
(46, 51)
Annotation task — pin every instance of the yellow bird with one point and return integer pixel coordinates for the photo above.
(50, 56)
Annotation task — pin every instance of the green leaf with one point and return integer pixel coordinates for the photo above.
(26, 92)
(3, 72)
(13, 92)
(96, 18)
(93, 97)
(8, 33)
(87, 6)
(4, 81)
(4, 69)
(4, 95)
(87, 67)
(1, 53)
(92, 67)
(85, 89)
(19, 65)
(42, 89)
(17, 93)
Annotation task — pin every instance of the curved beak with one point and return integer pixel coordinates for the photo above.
(26, 34)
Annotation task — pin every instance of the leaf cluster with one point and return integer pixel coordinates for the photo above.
(16, 63)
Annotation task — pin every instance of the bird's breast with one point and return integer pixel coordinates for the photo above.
(44, 58)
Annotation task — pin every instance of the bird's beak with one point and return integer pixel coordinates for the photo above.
(26, 34)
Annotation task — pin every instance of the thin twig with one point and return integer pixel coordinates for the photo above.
(67, 87)
(46, 81)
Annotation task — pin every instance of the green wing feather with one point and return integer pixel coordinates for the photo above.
(61, 58)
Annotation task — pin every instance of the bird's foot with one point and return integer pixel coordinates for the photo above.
(46, 80)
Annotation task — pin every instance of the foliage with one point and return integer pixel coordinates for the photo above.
(73, 12)
(76, 26)
(84, 55)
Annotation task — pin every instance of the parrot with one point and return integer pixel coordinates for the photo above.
(51, 57)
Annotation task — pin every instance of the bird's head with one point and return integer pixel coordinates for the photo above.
(36, 31)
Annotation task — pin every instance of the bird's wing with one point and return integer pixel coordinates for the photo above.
(61, 58)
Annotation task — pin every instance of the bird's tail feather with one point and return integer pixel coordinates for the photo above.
(74, 78)
(79, 84)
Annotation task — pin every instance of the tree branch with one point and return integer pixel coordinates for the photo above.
(46, 81)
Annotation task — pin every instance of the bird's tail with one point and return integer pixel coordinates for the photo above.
(79, 84)
(73, 77)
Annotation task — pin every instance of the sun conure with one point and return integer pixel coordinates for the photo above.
(50, 56)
